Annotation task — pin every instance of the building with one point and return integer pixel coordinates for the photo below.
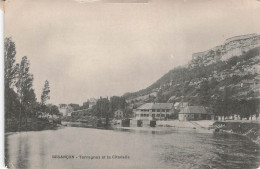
(65, 109)
(194, 113)
(154, 111)
(92, 102)
(179, 105)
(119, 114)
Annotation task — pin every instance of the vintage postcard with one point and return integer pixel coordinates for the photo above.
(131, 84)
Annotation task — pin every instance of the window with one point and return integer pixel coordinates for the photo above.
(142, 115)
(158, 115)
(167, 110)
(153, 110)
(153, 115)
(158, 110)
(162, 115)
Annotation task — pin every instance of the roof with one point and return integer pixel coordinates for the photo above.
(176, 104)
(181, 104)
(171, 98)
(149, 106)
(193, 110)
(119, 110)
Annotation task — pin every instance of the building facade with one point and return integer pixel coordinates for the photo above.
(65, 109)
(154, 111)
(92, 102)
(119, 114)
(194, 113)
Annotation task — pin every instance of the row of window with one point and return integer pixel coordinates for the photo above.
(156, 110)
(153, 115)
(188, 115)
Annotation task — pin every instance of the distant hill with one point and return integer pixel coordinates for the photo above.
(234, 66)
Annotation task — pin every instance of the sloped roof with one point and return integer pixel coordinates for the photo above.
(149, 106)
(193, 110)
(176, 104)
(171, 98)
(181, 104)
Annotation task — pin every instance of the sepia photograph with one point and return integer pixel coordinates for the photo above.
(131, 84)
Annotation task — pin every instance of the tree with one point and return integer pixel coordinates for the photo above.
(128, 113)
(12, 104)
(53, 110)
(218, 107)
(10, 75)
(45, 96)
(204, 94)
(30, 102)
(24, 88)
(252, 107)
(85, 105)
(10, 69)
(116, 103)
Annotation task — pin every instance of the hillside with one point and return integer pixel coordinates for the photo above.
(235, 69)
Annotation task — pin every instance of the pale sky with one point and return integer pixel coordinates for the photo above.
(86, 48)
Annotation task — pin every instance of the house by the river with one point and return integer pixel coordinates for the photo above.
(154, 111)
(194, 113)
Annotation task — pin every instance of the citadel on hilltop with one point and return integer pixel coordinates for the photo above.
(234, 46)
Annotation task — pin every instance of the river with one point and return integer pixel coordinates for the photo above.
(152, 148)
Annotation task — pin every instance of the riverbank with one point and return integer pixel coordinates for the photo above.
(204, 124)
(169, 126)
(249, 129)
(31, 124)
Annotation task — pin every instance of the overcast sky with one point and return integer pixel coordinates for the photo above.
(86, 48)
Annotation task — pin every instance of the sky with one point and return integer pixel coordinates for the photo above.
(93, 48)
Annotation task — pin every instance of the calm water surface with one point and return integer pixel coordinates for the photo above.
(163, 148)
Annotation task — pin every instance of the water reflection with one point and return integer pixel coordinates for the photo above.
(147, 148)
(23, 152)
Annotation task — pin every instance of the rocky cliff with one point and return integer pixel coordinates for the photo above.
(234, 46)
(235, 65)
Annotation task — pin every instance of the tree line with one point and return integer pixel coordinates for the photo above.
(105, 108)
(20, 99)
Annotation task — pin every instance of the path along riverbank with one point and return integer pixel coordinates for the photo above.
(203, 124)
(249, 129)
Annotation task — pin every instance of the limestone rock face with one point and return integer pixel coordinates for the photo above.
(234, 46)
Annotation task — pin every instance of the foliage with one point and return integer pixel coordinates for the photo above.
(25, 91)
(20, 98)
(10, 68)
(45, 93)
(53, 110)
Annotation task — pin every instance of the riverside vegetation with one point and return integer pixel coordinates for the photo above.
(22, 110)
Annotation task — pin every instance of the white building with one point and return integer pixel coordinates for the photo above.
(154, 111)
(92, 102)
(65, 109)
